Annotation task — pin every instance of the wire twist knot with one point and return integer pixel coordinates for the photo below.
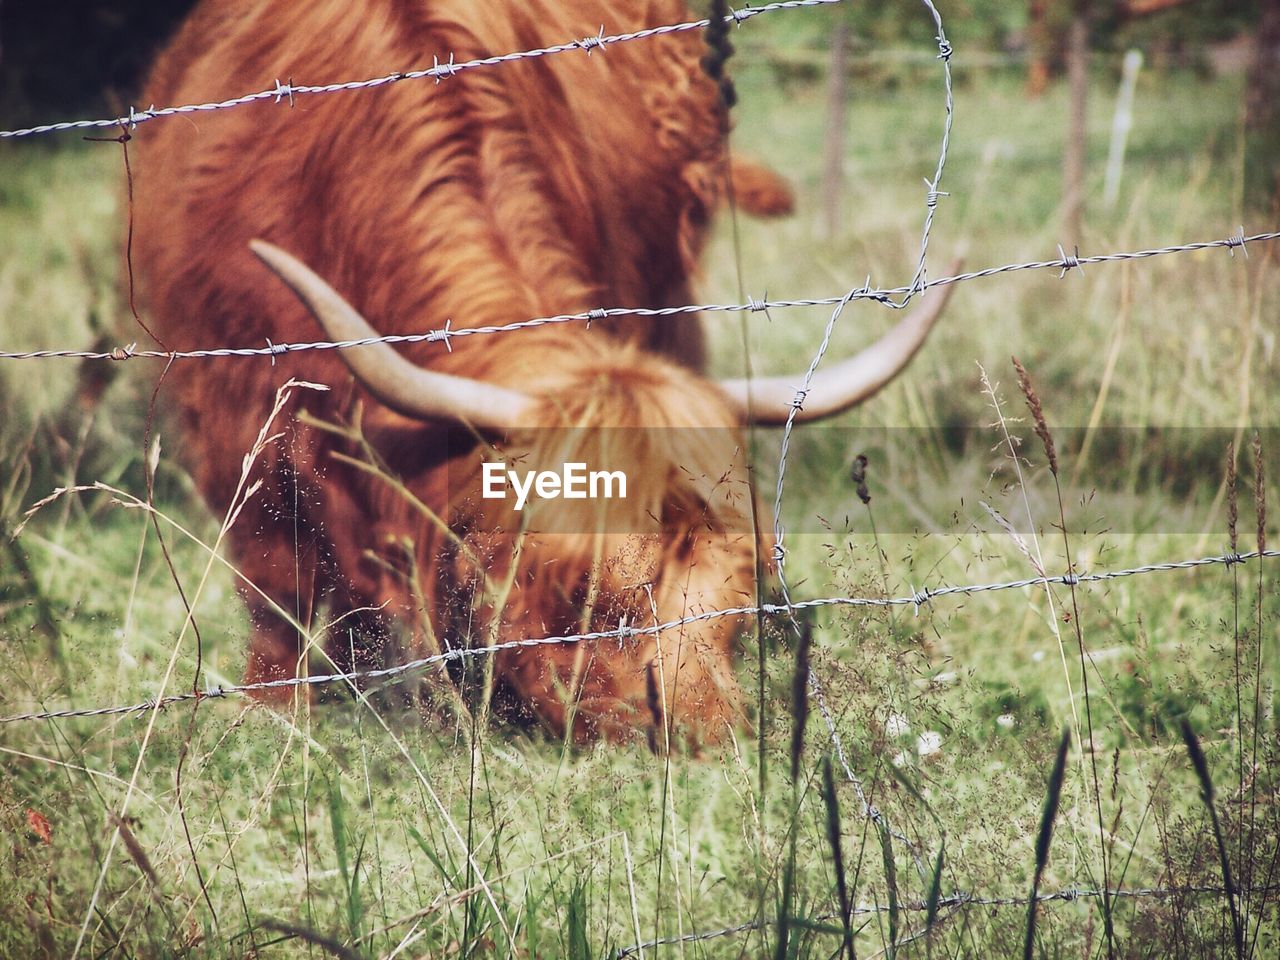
(1238, 240)
(624, 632)
(931, 198)
(440, 70)
(442, 335)
(919, 598)
(275, 349)
(591, 42)
(1069, 261)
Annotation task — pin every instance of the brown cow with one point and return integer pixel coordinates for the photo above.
(529, 189)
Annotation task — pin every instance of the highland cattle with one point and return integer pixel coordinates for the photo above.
(551, 185)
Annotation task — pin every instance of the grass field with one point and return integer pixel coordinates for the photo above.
(356, 829)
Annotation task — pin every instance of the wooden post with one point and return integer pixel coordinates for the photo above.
(1262, 116)
(1073, 154)
(1038, 48)
(833, 149)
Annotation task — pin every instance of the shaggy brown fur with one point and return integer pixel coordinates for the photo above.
(534, 188)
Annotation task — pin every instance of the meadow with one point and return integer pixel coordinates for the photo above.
(353, 826)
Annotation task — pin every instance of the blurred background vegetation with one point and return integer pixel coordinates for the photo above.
(75, 55)
(65, 57)
(59, 59)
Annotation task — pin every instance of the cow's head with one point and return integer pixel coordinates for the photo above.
(685, 541)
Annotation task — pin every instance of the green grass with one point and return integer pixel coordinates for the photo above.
(356, 824)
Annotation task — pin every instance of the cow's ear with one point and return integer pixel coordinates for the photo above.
(759, 191)
(696, 207)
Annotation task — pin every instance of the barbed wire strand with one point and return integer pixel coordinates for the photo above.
(917, 599)
(955, 901)
(287, 92)
(448, 333)
(934, 194)
(868, 810)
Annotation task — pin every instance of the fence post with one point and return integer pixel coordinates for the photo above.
(1038, 48)
(1262, 115)
(837, 90)
(1073, 155)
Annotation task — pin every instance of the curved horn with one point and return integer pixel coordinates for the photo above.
(768, 400)
(401, 385)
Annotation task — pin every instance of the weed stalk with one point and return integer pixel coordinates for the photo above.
(1206, 794)
(1043, 838)
(1046, 437)
(832, 803)
(799, 719)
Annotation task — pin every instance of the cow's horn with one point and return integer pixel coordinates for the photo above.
(402, 386)
(768, 400)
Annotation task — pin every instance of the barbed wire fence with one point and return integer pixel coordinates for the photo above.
(893, 297)
(916, 600)
(951, 903)
(287, 92)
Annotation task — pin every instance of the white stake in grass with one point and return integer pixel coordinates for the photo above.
(1121, 123)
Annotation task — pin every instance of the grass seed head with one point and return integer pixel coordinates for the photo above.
(1037, 414)
(858, 473)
